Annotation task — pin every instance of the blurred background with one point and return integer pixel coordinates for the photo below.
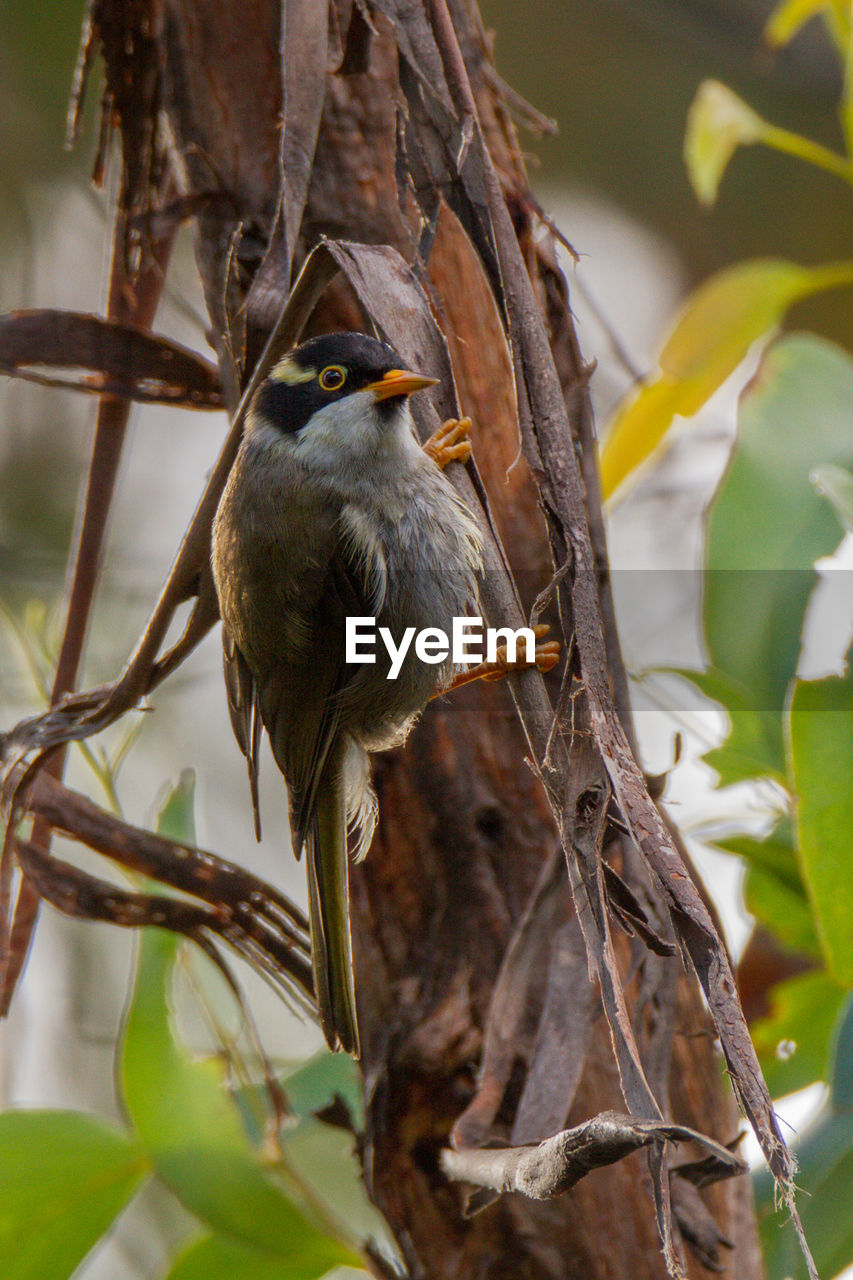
(618, 77)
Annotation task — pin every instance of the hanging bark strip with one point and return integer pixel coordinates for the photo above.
(438, 73)
(124, 361)
(137, 273)
(130, 301)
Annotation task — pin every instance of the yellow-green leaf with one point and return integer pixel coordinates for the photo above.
(64, 1179)
(836, 484)
(717, 326)
(718, 122)
(787, 19)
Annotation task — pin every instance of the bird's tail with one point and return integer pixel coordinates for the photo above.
(328, 904)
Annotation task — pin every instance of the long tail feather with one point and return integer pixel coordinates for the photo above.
(328, 902)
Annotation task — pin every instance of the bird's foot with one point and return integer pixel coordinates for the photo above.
(547, 655)
(450, 443)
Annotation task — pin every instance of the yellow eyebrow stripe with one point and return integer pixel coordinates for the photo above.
(290, 372)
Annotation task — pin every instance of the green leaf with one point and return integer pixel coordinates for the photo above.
(821, 728)
(176, 814)
(753, 747)
(718, 122)
(824, 1177)
(64, 1178)
(192, 1127)
(794, 1043)
(324, 1154)
(774, 853)
(190, 1122)
(766, 524)
(316, 1083)
(841, 1084)
(785, 911)
(836, 484)
(325, 1158)
(824, 1186)
(215, 1258)
(717, 326)
(773, 887)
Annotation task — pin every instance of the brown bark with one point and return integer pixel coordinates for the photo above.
(464, 825)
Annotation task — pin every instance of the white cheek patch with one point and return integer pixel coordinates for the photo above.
(347, 427)
(289, 372)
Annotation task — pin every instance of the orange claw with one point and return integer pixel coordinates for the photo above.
(547, 656)
(450, 442)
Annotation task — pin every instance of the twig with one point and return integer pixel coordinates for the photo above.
(75, 893)
(125, 305)
(185, 867)
(557, 1164)
(535, 119)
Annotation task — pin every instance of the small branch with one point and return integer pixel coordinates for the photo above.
(558, 1163)
(215, 881)
(75, 893)
(535, 120)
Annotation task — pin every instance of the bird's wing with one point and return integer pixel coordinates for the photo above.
(313, 759)
(244, 710)
(350, 592)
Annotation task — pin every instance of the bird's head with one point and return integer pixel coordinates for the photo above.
(341, 384)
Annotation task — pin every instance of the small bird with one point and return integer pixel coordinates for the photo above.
(334, 510)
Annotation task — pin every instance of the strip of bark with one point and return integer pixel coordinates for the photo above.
(127, 361)
(76, 893)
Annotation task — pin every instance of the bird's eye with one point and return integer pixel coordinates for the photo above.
(333, 377)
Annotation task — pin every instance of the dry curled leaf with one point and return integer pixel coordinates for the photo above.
(123, 360)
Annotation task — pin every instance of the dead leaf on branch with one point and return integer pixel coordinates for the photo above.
(217, 897)
(125, 361)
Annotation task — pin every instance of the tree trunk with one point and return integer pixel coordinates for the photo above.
(464, 827)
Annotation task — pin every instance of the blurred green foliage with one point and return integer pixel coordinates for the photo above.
(783, 504)
(619, 77)
(277, 1201)
(39, 40)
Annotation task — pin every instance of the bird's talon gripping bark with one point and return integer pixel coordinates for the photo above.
(547, 655)
(450, 442)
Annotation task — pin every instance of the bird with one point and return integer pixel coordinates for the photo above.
(333, 510)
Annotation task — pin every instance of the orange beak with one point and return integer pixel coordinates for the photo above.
(399, 382)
